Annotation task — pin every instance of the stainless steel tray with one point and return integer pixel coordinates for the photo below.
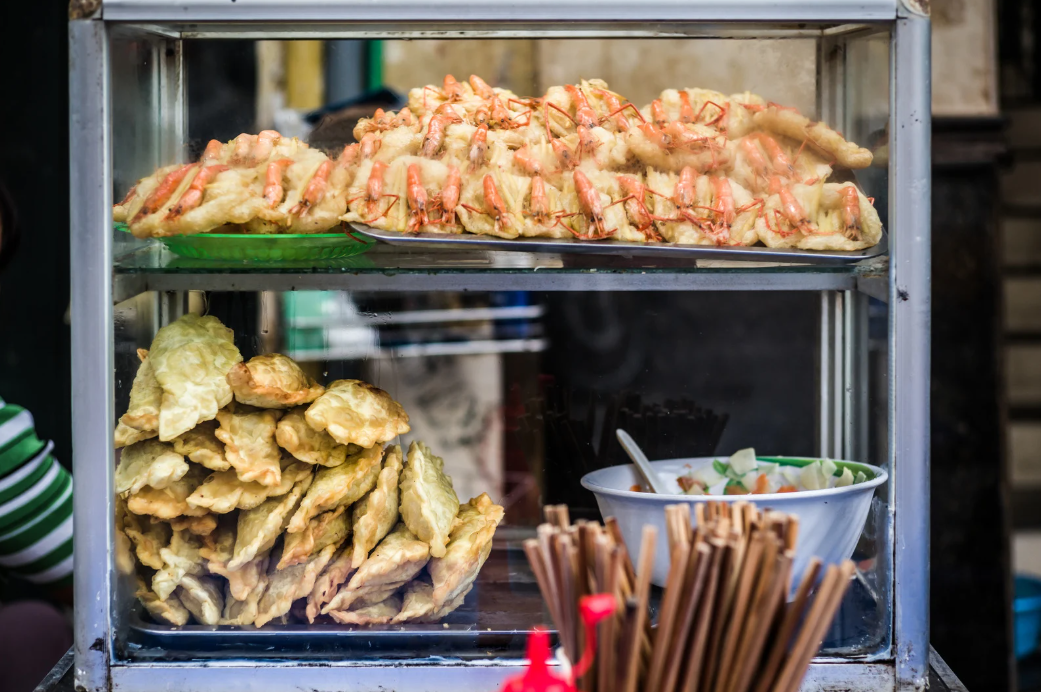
(611, 247)
(504, 605)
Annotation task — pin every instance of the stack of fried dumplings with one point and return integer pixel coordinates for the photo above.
(247, 487)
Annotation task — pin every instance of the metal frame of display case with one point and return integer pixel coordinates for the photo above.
(97, 285)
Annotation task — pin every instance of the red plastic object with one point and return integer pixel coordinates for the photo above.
(538, 677)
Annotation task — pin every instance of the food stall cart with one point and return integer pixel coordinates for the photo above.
(128, 117)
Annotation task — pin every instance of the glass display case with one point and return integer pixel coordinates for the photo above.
(508, 361)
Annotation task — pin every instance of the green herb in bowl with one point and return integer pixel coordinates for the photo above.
(746, 474)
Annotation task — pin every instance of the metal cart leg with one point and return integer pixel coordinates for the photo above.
(92, 350)
(909, 300)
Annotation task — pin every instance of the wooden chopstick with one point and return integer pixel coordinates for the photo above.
(721, 609)
(629, 645)
(642, 594)
(768, 599)
(609, 667)
(671, 529)
(546, 585)
(785, 630)
(562, 549)
(611, 524)
(693, 588)
(703, 620)
(750, 568)
(723, 620)
(812, 643)
(791, 534)
(803, 639)
(669, 604)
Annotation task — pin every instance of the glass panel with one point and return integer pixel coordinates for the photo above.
(136, 150)
(519, 393)
(516, 390)
(866, 110)
(861, 628)
(245, 86)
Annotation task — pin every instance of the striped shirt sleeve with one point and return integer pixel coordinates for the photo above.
(35, 503)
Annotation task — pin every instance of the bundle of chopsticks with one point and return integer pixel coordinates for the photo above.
(724, 622)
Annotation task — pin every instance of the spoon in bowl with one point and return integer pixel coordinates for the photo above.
(642, 464)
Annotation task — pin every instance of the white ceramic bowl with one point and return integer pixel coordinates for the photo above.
(830, 521)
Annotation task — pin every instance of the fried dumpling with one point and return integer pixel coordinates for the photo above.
(219, 545)
(356, 412)
(219, 548)
(125, 435)
(249, 445)
(180, 558)
(792, 123)
(325, 529)
(191, 359)
(224, 491)
(172, 501)
(200, 444)
(124, 549)
(287, 585)
(149, 463)
(376, 614)
(243, 611)
(259, 527)
(329, 581)
(451, 605)
(395, 561)
(166, 610)
(141, 421)
(124, 553)
(272, 381)
(200, 526)
(428, 501)
(203, 598)
(377, 513)
(246, 579)
(338, 486)
(148, 537)
(468, 548)
(297, 437)
(418, 601)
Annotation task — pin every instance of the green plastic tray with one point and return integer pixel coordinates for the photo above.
(265, 248)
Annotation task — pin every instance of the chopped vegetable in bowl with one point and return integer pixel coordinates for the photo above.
(746, 474)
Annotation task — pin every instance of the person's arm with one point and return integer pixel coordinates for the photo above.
(35, 490)
(35, 505)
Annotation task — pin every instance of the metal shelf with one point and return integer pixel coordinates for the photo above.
(448, 348)
(386, 268)
(518, 312)
(99, 276)
(941, 677)
(584, 11)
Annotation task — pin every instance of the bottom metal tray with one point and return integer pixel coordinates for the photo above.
(611, 247)
(504, 605)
